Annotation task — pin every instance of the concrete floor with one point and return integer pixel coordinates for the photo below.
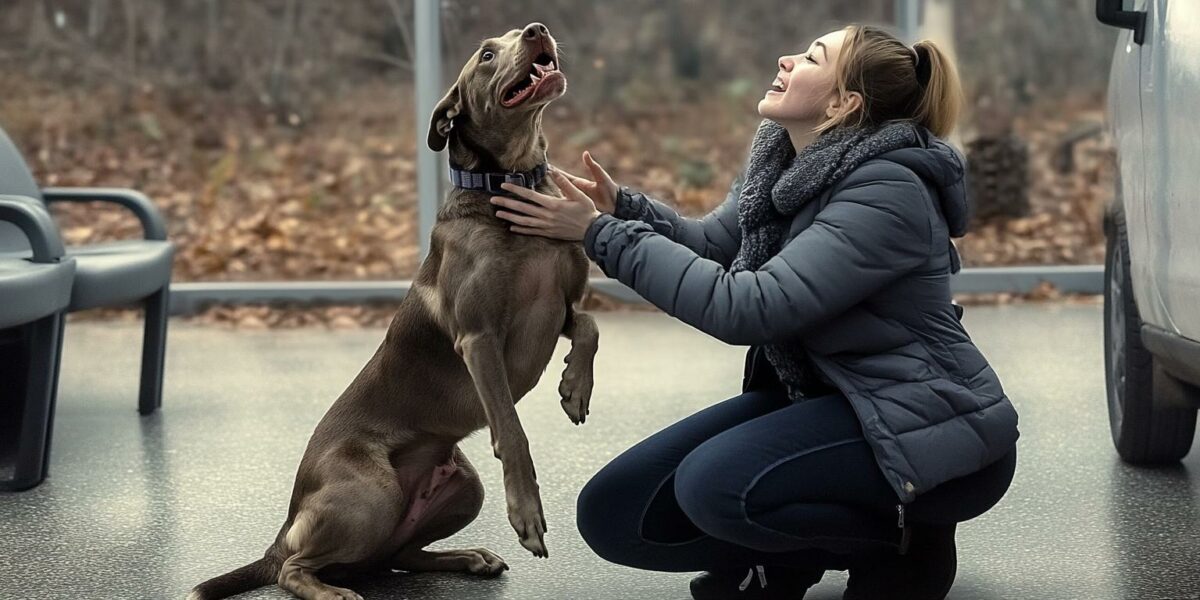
(148, 507)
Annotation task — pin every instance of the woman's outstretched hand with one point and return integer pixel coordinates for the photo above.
(565, 217)
(600, 188)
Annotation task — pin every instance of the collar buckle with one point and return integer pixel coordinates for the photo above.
(492, 181)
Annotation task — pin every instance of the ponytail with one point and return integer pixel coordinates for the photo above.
(941, 97)
(897, 82)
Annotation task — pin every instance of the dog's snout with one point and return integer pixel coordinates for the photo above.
(535, 31)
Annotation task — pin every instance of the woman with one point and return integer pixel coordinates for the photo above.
(870, 425)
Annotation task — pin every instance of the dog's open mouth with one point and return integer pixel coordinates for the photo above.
(541, 70)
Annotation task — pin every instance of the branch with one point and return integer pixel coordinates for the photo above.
(382, 57)
(402, 21)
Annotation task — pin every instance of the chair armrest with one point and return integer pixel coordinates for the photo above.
(36, 224)
(153, 225)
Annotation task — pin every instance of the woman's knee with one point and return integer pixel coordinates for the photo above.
(591, 507)
(606, 517)
(705, 487)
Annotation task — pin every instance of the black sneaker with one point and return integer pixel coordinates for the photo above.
(786, 583)
(925, 572)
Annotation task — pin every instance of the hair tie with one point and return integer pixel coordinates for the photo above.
(921, 64)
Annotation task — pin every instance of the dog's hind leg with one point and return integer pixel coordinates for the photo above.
(479, 561)
(449, 515)
(298, 577)
(576, 385)
(346, 522)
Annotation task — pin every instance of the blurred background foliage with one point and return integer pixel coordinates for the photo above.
(279, 135)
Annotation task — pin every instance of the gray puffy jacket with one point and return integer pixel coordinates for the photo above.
(863, 281)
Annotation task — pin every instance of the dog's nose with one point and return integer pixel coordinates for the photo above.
(535, 31)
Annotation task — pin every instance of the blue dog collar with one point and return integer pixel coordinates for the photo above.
(490, 181)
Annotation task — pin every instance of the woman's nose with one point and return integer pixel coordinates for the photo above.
(785, 63)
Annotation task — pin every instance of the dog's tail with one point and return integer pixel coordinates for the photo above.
(254, 575)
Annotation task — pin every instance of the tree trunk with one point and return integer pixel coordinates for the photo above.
(97, 14)
(131, 35)
(278, 77)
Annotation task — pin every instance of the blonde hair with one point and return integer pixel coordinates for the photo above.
(889, 76)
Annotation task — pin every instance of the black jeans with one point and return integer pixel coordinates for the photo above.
(758, 479)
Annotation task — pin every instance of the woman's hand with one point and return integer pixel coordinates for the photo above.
(564, 217)
(601, 188)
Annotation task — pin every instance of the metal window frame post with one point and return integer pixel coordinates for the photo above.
(908, 20)
(427, 26)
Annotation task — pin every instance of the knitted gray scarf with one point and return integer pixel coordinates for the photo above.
(778, 183)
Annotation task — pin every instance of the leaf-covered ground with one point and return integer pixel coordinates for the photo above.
(333, 197)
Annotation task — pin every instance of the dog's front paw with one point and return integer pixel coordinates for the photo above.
(576, 390)
(527, 520)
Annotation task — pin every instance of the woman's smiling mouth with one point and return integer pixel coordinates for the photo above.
(777, 86)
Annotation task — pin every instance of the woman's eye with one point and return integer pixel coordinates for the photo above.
(810, 58)
(488, 55)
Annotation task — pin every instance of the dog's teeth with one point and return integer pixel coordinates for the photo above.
(535, 78)
(550, 66)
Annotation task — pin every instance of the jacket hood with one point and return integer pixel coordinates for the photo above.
(944, 167)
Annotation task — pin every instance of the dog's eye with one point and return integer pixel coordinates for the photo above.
(487, 55)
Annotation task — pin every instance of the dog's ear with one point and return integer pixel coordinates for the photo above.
(443, 119)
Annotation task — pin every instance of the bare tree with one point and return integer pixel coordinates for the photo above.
(278, 76)
(97, 14)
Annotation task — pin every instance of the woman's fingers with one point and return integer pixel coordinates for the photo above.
(575, 179)
(530, 222)
(527, 230)
(598, 172)
(529, 194)
(523, 207)
(569, 188)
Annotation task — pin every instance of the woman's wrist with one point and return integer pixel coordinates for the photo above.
(626, 205)
(591, 220)
(609, 204)
(593, 229)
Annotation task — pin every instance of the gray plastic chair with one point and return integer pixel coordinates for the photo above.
(109, 273)
(34, 295)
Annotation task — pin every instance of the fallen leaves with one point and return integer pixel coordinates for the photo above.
(248, 200)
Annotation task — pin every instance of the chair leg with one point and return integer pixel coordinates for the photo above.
(154, 347)
(62, 326)
(34, 403)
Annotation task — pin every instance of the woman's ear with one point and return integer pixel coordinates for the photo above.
(443, 119)
(844, 105)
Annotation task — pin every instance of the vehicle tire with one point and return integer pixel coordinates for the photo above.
(1142, 432)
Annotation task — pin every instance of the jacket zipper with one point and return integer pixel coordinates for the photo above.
(904, 531)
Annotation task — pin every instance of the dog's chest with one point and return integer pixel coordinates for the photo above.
(537, 279)
(539, 311)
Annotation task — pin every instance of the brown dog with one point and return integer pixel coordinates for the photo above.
(382, 476)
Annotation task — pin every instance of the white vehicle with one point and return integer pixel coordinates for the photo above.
(1152, 269)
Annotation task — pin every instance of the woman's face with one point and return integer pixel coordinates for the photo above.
(805, 89)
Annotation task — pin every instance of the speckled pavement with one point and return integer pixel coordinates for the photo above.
(148, 507)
